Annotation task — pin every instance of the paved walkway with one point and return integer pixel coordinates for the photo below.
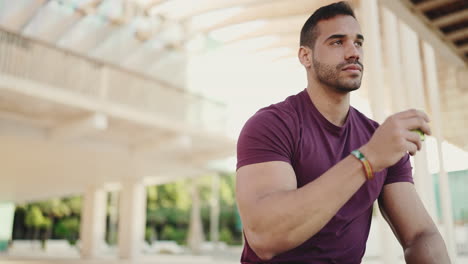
(228, 256)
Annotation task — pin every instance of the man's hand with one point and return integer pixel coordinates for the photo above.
(394, 138)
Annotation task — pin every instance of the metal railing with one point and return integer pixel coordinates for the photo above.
(41, 62)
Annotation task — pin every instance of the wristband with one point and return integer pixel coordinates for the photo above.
(365, 163)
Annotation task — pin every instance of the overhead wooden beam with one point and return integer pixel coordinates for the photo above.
(459, 34)
(55, 32)
(451, 18)
(429, 5)
(269, 11)
(17, 19)
(80, 127)
(80, 12)
(152, 4)
(464, 48)
(288, 25)
(146, 35)
(212, 5)
(88, 8)
(425, 29)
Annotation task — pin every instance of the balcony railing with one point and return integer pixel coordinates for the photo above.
(40, 62)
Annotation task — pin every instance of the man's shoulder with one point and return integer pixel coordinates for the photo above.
(288, 108)
(280, 116)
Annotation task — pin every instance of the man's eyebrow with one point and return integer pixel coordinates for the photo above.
(336, 36)
(341, 36)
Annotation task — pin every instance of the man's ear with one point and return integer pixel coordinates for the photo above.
(305, 56)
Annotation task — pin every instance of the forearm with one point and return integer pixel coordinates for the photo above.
(285, 220)
(429, 248)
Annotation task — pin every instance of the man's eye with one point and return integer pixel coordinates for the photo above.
(338, 42)
(359, 43)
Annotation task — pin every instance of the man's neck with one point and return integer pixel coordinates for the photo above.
(333, 105)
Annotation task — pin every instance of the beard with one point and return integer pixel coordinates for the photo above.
(330, 76)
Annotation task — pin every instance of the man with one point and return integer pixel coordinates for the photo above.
(309, 168)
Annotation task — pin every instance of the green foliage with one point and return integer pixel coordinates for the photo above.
(227, 195)
(183, 199)
(112, 236)
(150, 235)
(204, 188)
(171, 233)
(226, 235)
(171, 195)
(152, 193)
(74, 204)
(228, 218)
(34, 217)
(54, 208)
(69, 229)
(46, 223)
(36, 220)
(168, 213)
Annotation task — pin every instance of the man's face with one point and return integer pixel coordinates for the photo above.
(337, 53)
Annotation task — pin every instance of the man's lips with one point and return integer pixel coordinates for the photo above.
(352, 68)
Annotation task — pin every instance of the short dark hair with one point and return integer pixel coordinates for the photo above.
(309, 32)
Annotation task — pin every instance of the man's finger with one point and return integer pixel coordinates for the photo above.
(414, 138)
(416, 123)
(411, 148)
(413, 113)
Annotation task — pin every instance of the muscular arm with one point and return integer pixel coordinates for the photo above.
(278, 216)
(411, 224)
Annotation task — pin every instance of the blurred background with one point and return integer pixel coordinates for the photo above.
(119, 119)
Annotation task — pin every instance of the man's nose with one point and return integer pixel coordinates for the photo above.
(352, 52)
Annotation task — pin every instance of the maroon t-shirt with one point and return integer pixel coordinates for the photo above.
(294, 131)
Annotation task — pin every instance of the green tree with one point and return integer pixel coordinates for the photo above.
(150, 235)
(34, 219)
(74, 204)
(54, 208)
(168, 210)
(68, 228)
(46, 227)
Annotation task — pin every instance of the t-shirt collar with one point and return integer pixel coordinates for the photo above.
(334, 129)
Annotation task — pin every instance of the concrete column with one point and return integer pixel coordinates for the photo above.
(413, 79)
(132, 218)
(373, 66)
(432, 83)
(399, 103)
(214, 212)
(93, 221)
(195, 236)
(392, 58)
(104, 83)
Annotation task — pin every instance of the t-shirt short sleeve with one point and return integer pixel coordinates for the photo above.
(400, 172)
(267, 136)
